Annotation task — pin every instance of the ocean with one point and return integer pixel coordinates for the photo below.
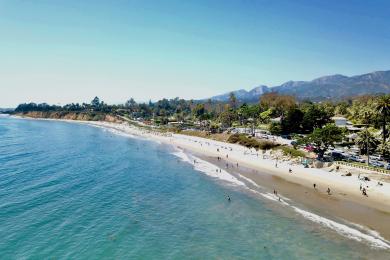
(75, 191)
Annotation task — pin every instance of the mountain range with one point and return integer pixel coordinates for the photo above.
(334, 87)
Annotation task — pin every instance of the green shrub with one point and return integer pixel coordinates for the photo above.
(290, 151)
(275, 128)
(234, 138)
(267, 145)
(251, 142)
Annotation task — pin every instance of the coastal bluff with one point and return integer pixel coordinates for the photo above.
(80, 116)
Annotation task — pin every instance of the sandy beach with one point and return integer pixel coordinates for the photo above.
(345, 187)
(345, 200)
(235, 163)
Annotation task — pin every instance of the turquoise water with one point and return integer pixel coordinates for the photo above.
(72, 191)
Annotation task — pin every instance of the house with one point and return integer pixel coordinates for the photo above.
(276, 120)
(340, 121)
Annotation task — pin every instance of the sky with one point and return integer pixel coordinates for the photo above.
(70, 51)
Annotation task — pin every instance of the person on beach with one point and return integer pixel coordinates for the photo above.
(237, 165)
(328, 191)
(220, 170)
(275, 192)
(289, 170)
(314, 186)
(364, 192)
(227, 156)
(228, 197)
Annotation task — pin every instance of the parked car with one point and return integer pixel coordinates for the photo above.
(377, 164)
(376, 157)
(337, 156)
(355, 158)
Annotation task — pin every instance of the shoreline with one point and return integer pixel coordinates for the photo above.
(345, 202)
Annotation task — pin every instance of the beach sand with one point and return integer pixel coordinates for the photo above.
(346, 202)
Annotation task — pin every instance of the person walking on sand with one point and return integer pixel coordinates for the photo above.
(314, 186)
(328, 191)
(289, 170)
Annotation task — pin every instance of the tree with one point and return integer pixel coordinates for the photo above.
(279, 103)
(131, 104)
(95, 103)
(275, 128)
(364, 138)
(233, 100)
(341, 109)
(227, 117)
(384, 149)
(323, 138)
(383, 108)
(315, 117)
(291, 123)
(265, 116)
(199, 111)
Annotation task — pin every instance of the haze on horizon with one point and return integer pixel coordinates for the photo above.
(62, 52)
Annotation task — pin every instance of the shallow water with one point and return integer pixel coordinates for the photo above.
(75, 191)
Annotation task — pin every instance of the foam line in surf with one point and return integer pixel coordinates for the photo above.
(372, 238)
(369, 236)
(208, 168)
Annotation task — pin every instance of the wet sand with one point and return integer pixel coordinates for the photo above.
(372, 212)
(333, 206)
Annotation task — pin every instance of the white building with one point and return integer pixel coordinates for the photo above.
(340, 121)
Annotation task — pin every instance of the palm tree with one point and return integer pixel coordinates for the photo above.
(384, 148)
(366, 141)
(232, 100)
(383, 108)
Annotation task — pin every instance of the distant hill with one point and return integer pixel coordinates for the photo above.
(328, 87)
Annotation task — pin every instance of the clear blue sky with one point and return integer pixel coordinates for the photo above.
(67, 51)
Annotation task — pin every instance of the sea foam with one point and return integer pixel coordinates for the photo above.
(368, 236)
